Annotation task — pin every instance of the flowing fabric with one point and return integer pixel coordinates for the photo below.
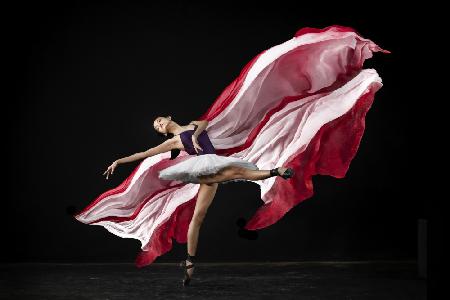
(301, 104)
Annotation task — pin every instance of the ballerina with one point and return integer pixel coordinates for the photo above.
(207, 169)
(301, 104)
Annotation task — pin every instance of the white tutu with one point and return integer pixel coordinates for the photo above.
(205, 164)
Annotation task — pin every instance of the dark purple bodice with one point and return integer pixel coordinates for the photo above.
(203, 141)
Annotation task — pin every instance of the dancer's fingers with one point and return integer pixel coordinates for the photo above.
(197, 146)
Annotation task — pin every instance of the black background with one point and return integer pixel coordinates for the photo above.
(87, 81)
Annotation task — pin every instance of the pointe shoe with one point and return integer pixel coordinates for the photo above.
(187, 278)
(288, 173)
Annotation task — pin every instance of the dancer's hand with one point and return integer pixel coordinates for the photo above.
(110, 169)
(195, 143)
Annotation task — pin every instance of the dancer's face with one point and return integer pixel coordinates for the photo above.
(160, 124)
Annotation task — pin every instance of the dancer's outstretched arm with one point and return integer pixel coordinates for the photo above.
(161, 148)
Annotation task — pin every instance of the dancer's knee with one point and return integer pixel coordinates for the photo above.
(232, 172)
(209, 180)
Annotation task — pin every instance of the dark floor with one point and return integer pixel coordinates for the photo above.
(290, 280)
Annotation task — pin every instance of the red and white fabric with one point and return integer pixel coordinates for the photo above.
(301, 104)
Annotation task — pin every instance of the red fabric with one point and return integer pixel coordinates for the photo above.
(175, 227)
(329, 153)
(117, 190)
(228, 93)
(306, 30)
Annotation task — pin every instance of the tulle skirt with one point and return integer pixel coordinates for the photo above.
(205, 164)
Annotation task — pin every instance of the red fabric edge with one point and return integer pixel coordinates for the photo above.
(340, 28)
(316, 159)
(176, 226)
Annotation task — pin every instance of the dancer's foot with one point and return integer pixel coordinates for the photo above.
(188, 267)
(283, 172)
(190, 271)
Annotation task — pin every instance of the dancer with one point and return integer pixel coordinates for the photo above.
(207, 169)
(300, 104)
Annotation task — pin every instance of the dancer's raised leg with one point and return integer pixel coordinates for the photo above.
(237, 172)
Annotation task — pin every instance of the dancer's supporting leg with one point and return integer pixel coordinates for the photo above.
(205, 197)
